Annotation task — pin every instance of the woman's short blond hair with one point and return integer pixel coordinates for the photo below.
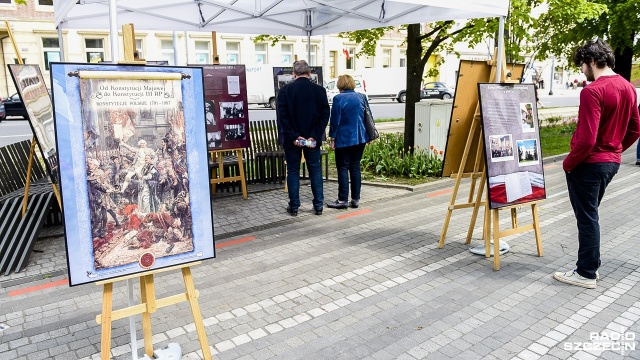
(345, 82)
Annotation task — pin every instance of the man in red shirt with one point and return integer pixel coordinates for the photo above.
(608, 124)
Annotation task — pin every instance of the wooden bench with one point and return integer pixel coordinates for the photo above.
(18, 233)
(267, 153)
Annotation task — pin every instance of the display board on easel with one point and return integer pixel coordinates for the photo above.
(472, 165)
(226, 112)
(470, 73)
(511, 133)
(130, 142)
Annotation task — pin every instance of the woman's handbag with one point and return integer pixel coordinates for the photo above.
(369, 123)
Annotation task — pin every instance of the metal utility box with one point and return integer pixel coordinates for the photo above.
(432, 123)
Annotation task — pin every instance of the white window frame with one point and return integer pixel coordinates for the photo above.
(166, 52)
(235, 52)
(313, 60)
(88, 50)
(284, 54)
(386, 58)
(403, 58)
(350, 64)
(202, 56)
(48, 49)
(140, 48)
(262, 53)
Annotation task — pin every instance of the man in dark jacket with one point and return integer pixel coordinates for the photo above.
(303, 114)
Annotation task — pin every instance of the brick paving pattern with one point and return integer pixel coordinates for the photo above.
(366, 283)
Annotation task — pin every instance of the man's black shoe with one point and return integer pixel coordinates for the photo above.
(355, 203)
(338, 204)
(638, 162)
(318, 211)
(291, 211)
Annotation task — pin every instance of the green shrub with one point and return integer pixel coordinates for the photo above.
(387, 157)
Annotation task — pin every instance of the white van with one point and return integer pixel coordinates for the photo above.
(332, 89)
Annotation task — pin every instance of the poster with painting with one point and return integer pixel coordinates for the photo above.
(512, 144)
(225, 92)
(133, 161)
(36, 99)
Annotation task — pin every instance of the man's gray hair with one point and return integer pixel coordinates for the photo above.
(301, 67)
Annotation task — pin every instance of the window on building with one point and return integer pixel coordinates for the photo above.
(403, 58)
(8, 2)
(167, 51)
(368, 61)
(261, 54)
(139, 48)
(51, 51)
(45, 2)
(386, 58)
(94, 48)
(314, 55)
(351, 61)
(15, 60)
(202, 52)
(233, 52)
(286, 51)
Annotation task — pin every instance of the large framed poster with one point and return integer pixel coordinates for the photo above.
(133, 168)
(511, 134)
(284, 75)
(226, 112)
(35, 97)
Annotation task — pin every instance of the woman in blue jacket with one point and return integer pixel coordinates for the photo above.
(348, 136)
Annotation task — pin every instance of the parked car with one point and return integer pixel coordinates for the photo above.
(332, 89)
(14, 107)
(3, 113)
(436, 90)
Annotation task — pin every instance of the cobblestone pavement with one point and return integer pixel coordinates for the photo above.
(366, 283)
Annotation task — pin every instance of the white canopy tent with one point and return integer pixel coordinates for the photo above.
(272, 17)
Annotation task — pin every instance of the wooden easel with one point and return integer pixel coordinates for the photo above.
(218, 156)
(479, 171)
(33, 139)
(148, 305)
(148, 301)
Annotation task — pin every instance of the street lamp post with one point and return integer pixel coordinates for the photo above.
(553, 68)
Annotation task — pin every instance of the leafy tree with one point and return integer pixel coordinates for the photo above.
(567, 24)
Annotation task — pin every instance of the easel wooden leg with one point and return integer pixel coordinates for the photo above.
(195, 310)
(514, 218)
(487, 230)
(243, 181)
(105, 339)
(476, 207)
(147, 296)
(536, 227)
(496, 240)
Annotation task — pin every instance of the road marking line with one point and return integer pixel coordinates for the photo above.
(438, 193)
(352, 214)
(234, 242)
(39, 287)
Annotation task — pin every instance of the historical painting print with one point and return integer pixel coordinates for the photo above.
(225, 93)
(35, 97)
(133, 161)
(511, 136)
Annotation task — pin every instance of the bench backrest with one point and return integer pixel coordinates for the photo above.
(264, 136)
(14, 160)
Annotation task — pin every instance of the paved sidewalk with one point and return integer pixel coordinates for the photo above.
(367, 283)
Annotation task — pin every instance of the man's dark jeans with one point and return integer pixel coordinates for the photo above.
(586, 184)
(348, 165)
(293, 157)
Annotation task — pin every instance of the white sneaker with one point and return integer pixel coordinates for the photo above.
(573, 278)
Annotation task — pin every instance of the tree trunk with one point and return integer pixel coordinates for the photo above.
(624, 58)
(415, 69)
